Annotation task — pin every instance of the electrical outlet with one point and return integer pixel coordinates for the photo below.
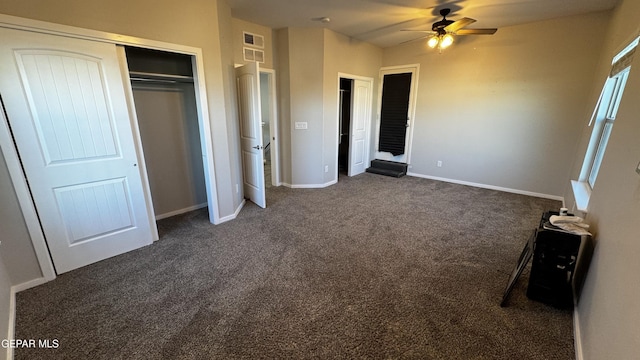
(326, 168)
(439, 163)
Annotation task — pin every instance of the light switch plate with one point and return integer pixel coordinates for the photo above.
(301, 125)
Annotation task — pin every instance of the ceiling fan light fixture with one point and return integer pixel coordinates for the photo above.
(433, 41)
(446, 41)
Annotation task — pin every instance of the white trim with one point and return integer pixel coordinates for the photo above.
(12, 321)
(581, 194)
(137, 140)
(235, 214)
(577, 336)
(180, 211)
(24, 198)
(29, 284)
(310, 186)
(490, 187)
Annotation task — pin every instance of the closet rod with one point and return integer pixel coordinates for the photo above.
(146, 76)
(153, 80)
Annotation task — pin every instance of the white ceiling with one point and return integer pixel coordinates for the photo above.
(380, 21)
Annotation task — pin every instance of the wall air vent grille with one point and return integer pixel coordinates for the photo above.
(253, 55)
(253, 39)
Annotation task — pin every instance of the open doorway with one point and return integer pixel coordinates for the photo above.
(165, 103)
(344, 125)
(354, 120)
(270, 140)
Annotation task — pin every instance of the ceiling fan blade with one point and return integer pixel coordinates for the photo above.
(457, 25)
(416, 39)
(476, 31)
(422, 31)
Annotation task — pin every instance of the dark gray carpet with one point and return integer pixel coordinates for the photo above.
(372, 267)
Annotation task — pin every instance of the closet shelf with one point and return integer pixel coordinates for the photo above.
(147, 76)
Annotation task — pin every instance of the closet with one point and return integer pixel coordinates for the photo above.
(165, 103)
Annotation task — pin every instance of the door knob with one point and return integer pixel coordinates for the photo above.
(258, 147)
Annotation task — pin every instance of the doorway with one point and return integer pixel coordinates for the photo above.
(270, 136)
(394, 131)
(344, 125)
(165, 104)
(355, 96)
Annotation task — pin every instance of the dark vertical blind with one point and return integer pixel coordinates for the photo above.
(394, 113)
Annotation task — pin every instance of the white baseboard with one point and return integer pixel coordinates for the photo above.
(12, 321)
(577, 337)
(180, 211)
(490, 187)
(310, 186)
(234, 215)
(29, 284)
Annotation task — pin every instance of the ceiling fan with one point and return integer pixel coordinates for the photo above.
(441, 34)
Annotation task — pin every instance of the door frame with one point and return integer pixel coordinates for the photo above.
(368, 119)
(414, 69)
(273, 128)
(11, 155)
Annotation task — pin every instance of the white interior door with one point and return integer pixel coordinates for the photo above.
(248, 83)
(67, 110)
(361, 113)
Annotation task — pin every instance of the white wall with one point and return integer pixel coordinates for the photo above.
(502, 110)
(608, 312)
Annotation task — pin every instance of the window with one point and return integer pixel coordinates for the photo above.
(605, 116)
(602, 120)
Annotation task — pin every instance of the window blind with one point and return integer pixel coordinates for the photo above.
(394, 113)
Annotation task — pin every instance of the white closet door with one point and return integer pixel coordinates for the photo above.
(66, 107)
